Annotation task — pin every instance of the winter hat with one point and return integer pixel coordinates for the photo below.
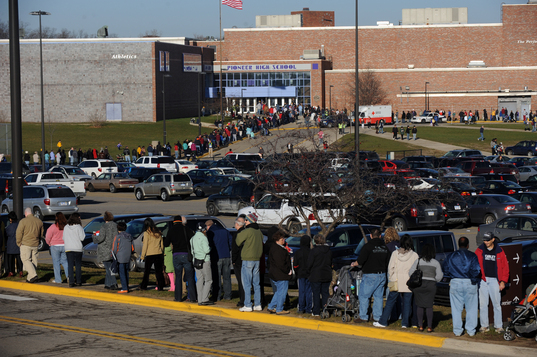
(252, 217)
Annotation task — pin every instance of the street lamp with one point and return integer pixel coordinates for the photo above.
(330, 100)
(199, 103)
(356, 101)
(426, 100)
(164, 76)
(39, 13)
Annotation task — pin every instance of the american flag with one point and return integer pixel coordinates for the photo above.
(236, 4)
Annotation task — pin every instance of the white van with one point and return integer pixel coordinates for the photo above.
(157, 162)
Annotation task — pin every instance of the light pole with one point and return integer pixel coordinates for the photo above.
(356, 99)
(330, 100)
(242, 98)
(164, 76)
(426, 100)
(39, 13)
(199, 103)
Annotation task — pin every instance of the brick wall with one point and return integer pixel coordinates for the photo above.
(316, 18)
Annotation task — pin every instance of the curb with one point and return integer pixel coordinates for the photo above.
(287, 321)
(317, 325)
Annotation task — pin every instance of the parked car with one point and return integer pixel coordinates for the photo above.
(454, 207)
(526, 147)
(444, 244)
(157, 162)
(427, 173)
(123, 166)
(95, 167)
(503, 177)
(214, 184)
(6, 185)
(488, 208)
(94, 226)
(519, 160)
(164, 185)
(470, 180)
(200, 175)
(232, 198)
(474, 168)
(462, 188)
(420, 165)
(528, 198)
(135, 228)
(526, 172)
(452, 171)
(73, 172)
(112, 181)
(271, 210)
(529, 257)
(45, 200)
(56, 178)
(184, 166)
(142, 173)
(501, 187)
(515, 225)
(427, 117)
(6, 168)
(392, 165)
(498, 158)
(531, 183)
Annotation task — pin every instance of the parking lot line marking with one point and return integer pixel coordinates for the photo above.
(15, 298)
(128, 338)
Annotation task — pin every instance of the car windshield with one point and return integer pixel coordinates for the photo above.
(74, 171)
(451, 154)
(94, 225)
(122, 175)
(134, 228)
(511, 184)
(108, 164)
(504, 199)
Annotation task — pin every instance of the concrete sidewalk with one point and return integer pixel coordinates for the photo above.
(288, 321)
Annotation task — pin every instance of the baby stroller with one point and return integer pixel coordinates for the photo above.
(523, 322)
(344, 302)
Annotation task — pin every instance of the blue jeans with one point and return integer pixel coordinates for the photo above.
(74, 259)
(128, 158)
(124, 275)
(250, 276)
(304, 295)
(462, 294)
(372, 286)
(224, 273)
(482, 137)
(490, 289)
(390, 304)
(180, 262)
(320, 292)
(57, 252)
(280, 292)
(109, 279)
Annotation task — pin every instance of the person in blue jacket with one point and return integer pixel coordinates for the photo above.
(462, 267)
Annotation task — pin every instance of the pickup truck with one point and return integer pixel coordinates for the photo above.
(44, 178)
(427, 117)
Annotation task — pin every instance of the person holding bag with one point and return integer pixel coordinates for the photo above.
(104, 239)
(400, 263)
(202, 265)
(152, 254)
(424, 294)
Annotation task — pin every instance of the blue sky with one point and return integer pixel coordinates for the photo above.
(131, 18)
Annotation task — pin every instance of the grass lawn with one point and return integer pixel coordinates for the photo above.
(129, 134)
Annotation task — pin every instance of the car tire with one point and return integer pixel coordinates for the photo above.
(139, 195)
(509, 152)
(423, 121)
(199, 192)
(399, 224)
(530, 153)
(132, 264)
(212, 210)
(93, 175)
(5, 209)
(37, 213)
(91, 188)
(489, 218)
(293, 227)
(113, 188)
(164, 195)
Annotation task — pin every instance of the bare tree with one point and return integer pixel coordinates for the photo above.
(151, 33)
(370, 88)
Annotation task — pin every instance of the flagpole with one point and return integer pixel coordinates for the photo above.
(221, 94)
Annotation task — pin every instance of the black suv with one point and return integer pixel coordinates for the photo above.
(143, 173)
(232, 198)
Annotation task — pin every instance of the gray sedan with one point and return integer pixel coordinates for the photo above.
(490, 207)
(512, 226)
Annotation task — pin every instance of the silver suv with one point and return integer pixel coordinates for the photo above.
(164, 185)
(45, 200)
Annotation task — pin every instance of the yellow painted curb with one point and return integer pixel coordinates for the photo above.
(310, 324)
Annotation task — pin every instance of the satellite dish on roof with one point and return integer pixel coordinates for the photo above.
(102, 32)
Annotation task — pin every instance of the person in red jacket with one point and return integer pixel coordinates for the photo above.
(494, 275)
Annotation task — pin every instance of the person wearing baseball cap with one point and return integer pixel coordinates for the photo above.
(251, 240)
(494, 275)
